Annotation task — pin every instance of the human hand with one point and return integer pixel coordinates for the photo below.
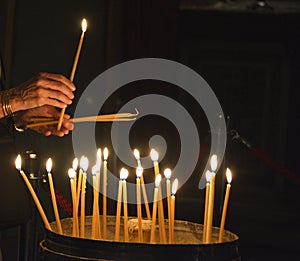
(44, 89)
(23, 118)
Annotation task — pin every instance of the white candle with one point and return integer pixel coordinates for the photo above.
(95, 217)
(125, 209)
(208, 176)
(53, 197)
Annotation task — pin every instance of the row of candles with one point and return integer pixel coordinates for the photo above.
(78, 190)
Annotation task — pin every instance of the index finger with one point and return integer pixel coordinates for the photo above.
(59, 78)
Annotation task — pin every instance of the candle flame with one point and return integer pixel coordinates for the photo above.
(84, 25)
(99, 153)
(139, 172)
(157, 180)
(167, 173)
(228, 175)
(208, 176)
(123, 174)
(154, 155)
(49, 165)
(105, 153)
(94, 170)
(214, 162)
(18, 162)
(71, 173)
(84, 163)
(136, 154)
(174, 186)
(75, 164)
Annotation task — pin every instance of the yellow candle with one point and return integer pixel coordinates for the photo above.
(137, 156)
(75, 166)
(79, 185)
(139, 172)
(95, 203)
(97, 169)
(32, 192)
(83, 28)
(210, 210)
(105, 156)
(125, 209)
(208, 178)
(118, 214)
(72, 174)
(83, 191)
(174, 190)
(154, 210)
(229, 179)
(167, 174)
(53, 198)
(161, 223)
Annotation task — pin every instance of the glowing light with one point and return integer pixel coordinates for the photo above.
(214, 162)
(75, 164)
(49, 165)
(157, 180)
(154, 155)
(136, 154)
(123, 173)
(139, 172)
(174, 186)
(105, 153)
(228, 175)
(208, 176)
(18, 162)
(84, 163)
(71, 173)
(167, 173)
(84, 25)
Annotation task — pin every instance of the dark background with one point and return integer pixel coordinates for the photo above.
(248, 54)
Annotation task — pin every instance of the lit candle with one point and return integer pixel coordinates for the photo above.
(32, 192)
(154, 210)
(84, 166)
(210, 211)
(82, 159)
(208, 178)
(95, 217)
(125, 209)
(75, 166)
(105, 156)
(137, 156)
(52, 192)
(162, 232)
(83, 29)
(229, 179)
(139, 172)
(174, 190)
(72, 175)
(167, 174)
(118, 214)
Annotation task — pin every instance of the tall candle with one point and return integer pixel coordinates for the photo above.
(139, 172)
(72, 175)
(32, 192)
(208, 178)
(75, 166)
(53, 198)
(167, 174)
(225, 204)
(125, 209)
(79, 185)
(154, 208)
(210, 210)
(85, 164)
(174, 190)
(119, 201)
(161, 223)
(105, 156)
(94, 234)
(83, 29)
(137, 156)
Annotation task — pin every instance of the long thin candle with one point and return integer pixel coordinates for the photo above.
(167, 174)
(83, 28)
(118, 214)
(225, 205)
(72, 174)
(211, 200)
(208, 178)
(139, 172)
(53, 198)
(95, 202)
(33, 194)
(125, 209)
(137, 156)
(154, 208)
(104, 199)
(83, 191)
(174, 190)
